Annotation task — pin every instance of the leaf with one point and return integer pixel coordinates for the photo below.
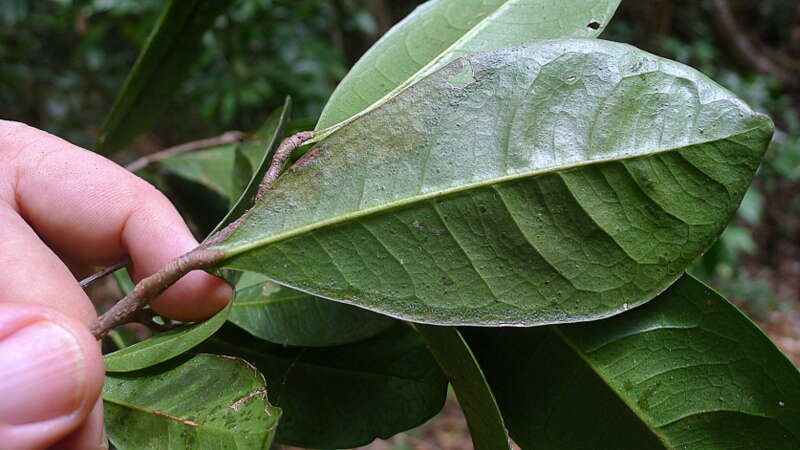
(440, 31)
(474, 394)
(572, 179)
(164, 346)
(210, 167)
(199, 184)
(346, 396)
(687, 370)
(257, 149)
(171, 49)
(285, 316)
(123, 280)
(209, 401)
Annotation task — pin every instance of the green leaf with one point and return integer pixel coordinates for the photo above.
(123, 280)
(210, 167)
(285, 316)
(573, 179)
(200, 183)
(346, 396)
(440, 31)
(685, 371)
(209, 401)
(258, 150)
(164, 346)
(474, 394)
(171, 49)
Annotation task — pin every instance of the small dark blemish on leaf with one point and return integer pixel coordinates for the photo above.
(463, 78)
(305, 159)
(595, 25)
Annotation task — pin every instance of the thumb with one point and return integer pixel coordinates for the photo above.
(51, 374)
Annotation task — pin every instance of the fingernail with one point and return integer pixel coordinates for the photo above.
(223, 293)
(96, 419)
(42, 374)
(103, 441)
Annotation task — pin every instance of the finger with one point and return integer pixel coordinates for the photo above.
(51, 374)
(91, 435)
(93, 211)
(31, 273)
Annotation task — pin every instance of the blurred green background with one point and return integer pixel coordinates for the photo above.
(62, 62)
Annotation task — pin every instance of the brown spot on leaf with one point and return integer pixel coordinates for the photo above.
(178, 419)
(305, 159)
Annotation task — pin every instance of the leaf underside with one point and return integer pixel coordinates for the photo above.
(570, 180)
(685, 371)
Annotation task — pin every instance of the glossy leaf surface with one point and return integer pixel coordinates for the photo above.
(208, 402)
(474, 394)
(346, 396)
(685, 371)
(568, 181)
(440, 31)
(161, 67)
(164, 346)
(285, 316)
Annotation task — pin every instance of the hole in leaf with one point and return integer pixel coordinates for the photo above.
(595, 25)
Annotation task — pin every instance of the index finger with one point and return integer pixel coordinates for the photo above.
(91, 210)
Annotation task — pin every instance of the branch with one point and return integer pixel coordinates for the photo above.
(225, 138)
(283, 152)
(228, 137)
(744, 49)
(150, 287)
(103, 272)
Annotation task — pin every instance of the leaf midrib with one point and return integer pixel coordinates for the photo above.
(268, 301)
(201, 426)
(250, 245)
(635, 411)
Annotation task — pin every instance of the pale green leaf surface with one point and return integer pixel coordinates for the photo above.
(572, 178)
(475, 397)
(206, 402)
(164, 346)
(440, 31)
(210, 167)
(165, 59)
(345, 396)
(685, 371)
(285, 316)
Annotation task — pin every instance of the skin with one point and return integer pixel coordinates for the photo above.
(63, 208)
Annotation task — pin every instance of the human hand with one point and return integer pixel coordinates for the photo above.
(62, 206)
